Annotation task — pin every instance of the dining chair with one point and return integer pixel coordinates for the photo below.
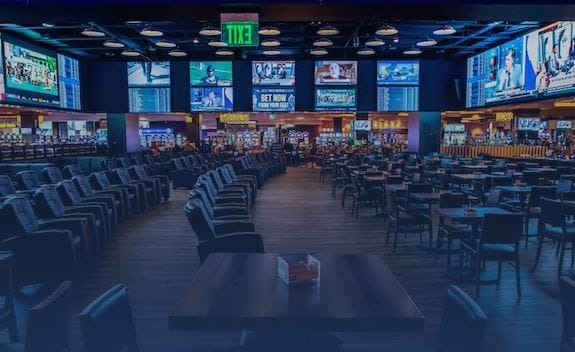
(448, 231)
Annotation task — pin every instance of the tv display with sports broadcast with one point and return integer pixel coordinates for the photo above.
(273, 73)
(211, 73)
(336, 72)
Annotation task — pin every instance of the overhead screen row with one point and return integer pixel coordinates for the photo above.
(537, 65)
(273, 86)
(38, 77)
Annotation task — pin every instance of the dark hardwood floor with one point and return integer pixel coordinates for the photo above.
(155, 257)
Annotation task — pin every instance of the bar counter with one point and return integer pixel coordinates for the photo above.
(500, 151)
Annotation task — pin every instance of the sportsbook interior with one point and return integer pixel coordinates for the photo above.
(298, 176)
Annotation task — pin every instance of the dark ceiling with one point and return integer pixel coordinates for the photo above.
(180, 23)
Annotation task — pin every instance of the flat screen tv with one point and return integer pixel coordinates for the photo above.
(528, 123)
(336, 72)
(212, 99)
(362, 125)
(398, 72)
(148, 73)
(327, 99)
(273, 99)
(211, 73)
(273, 73)
(563, 124)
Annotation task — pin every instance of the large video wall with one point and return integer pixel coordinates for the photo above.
(536, 65)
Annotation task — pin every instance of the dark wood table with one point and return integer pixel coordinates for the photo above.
(425, 197)
(7, 315)
(244, 292)
(396, 187)
(541, 169)
(475, 167)
(468, 177)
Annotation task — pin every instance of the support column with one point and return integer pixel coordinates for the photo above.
(123, 133)
(337, 124)
(424, 132)
(192, 130)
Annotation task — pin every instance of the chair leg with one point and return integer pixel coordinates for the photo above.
(389, 222)
(478, 277)
(395, 236)
(437, 245)
(538, 253)
(518, 275)
(460, 262)
(561, 257)
(499, 272)
(357, 208)
(343, 198)
(526, 230)
(352, 205)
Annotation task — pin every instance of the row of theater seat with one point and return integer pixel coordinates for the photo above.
(58, 226)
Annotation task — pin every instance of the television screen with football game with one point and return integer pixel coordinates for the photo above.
(273, 73)
(211, 73)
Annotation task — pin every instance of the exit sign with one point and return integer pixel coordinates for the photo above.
(240, 29)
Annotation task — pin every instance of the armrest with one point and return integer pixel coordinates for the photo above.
(232, 192)
(230, 210)
(225, 227)
(230, 199)
(232, 218)
(72, 224)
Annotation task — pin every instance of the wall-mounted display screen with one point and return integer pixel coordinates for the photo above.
(211, 73)
(335, 99)
(273, 73)
(397, 98)
(76, 128)
(397, 72)
(31, 76)
(69, 82)
(148, 73)
(528, 123)
(336, 72)
(563, 124)
(212, 99)
(454, 127)
(2, 86)
(149, 99)
(273, 99)
(362, 125)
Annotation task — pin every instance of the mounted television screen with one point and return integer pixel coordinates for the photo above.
(563, 124)
(149, 99)
(211, 73)
(212, 99)
(528, 123)
(397, 72)
(397, 98)
(362, 125)
(2, 87)
(336, 72)
(148, 73)
(273, 73)
(454, 127)
(31, 76)
(273, 99)
(335, 99)
(69, 82)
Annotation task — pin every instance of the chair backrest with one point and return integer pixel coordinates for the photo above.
(235, 243)
(493, 198)
(564, 186)
(200, 193)
(531, 178)
(420, 188)
(69, 193)
(541, 191)
(121, 176)
(52, 175)
(501, 228)
(199, 219)
(27, 180)
(19, 216)
(72, 170)
(48, 203)
(394, 180)
(99, 180)
(107, 323)
(138, 172)
(47, 329)
(462, 323)
(6, 186)
(216, 179)
(416, 177)
(552, 213)
(176, 164)
(567, 287)
(501, 181)
(123, 162)
(83, 185)
(453, 200)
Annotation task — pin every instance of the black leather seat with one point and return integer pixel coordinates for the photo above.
(253, 180)
(113, 197)
(44, 249)
(99, 180)
(145, 189)
(230, 243)
(226, 179)
(222, 186)
(7, 188)
(220, 197)
(161, 183)
(107, 323)
(27, 180)
(219, 212)
(72, 170)
(182, 176)
(52, 175)
(462, 323)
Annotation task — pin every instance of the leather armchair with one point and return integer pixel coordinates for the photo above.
(113, 197)
(27, 180)
(162, 183)
(130, 194)
(181, 175)
(52, 175)
(145, 189)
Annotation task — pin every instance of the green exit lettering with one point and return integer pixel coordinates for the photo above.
(240, 33)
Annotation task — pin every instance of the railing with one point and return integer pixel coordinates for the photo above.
(38, 151)
(500, 151)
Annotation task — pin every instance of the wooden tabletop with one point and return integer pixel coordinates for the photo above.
(243, 292)
(460, 214)
(475, 167)
(468, 177)
(515, 189)
(425, 197)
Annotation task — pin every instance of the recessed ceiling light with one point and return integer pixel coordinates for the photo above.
(131, 23)
(225, 52)
(322, 42)
(165, 44)
(444, 30)
(412, 51)
(365, 51)
(195, 40)
(269, 30)
(217, 43)
(328, 30)
(113, 43)
(375, 41)
(386, 30)
(177, 53)
(395, 39)
(47, 24)
(93, 32)
(427, 42)
(130, 53)
(210, 31)
(318, 52)
(271, 52)
(270, 42)
(151, 32)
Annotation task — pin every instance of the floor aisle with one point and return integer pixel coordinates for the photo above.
(156, 259)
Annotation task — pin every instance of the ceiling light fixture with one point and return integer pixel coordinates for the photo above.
(217, 43)
(47, 24)
(224, 52)
(113, 43)
(386, 30)
(328, 30)
(322, 42)
(165, 44)
(375, 41)
(269, 30)
(427, 42)
(130, 53)
(365, 51)
(271, 52)
(210, 31)
(412, 51)
(395, 39)
(151, 32)
(318, 52)
(444, 30)
(177, 53)
(195, 40)
(93, 32)
(270, 43)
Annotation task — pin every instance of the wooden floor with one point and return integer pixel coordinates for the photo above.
(154, 256)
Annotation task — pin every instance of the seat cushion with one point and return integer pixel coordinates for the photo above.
(491, 250)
